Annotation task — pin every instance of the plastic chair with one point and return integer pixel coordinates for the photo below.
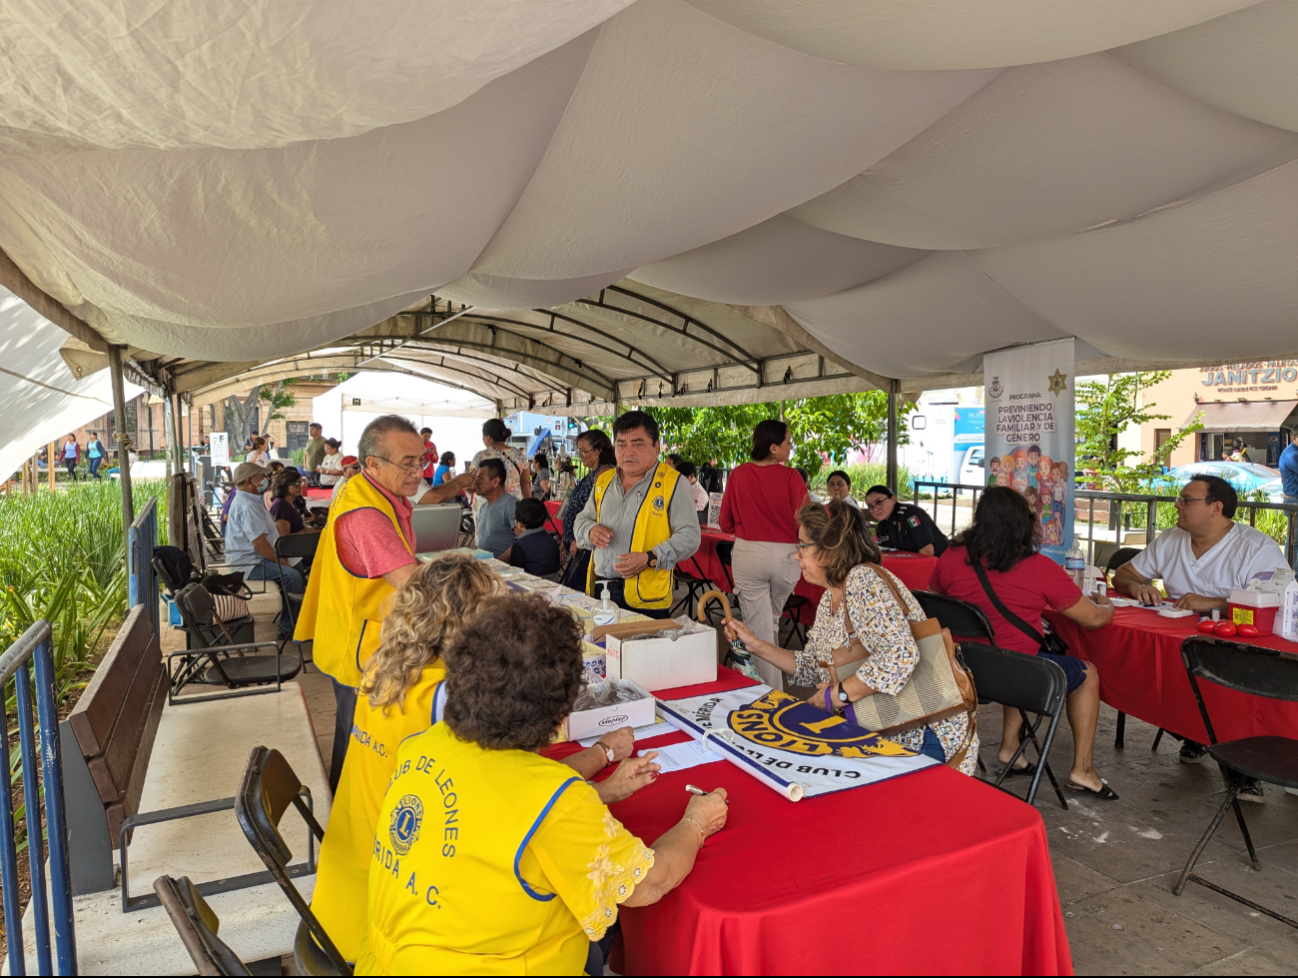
(197, 926)
(1258, 672)
(266, 790)
(1031, 685)
(964, 620)
(217, 659)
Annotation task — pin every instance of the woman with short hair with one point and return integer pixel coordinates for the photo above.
(445, 468)
(495, 439)
(1003, 542)
(595, 450)
(285, 491)
(860, 616)
(509, 862)
(760, 507)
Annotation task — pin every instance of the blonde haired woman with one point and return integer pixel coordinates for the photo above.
(403, 694)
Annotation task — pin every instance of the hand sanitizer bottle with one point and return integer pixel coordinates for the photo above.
(606, 613)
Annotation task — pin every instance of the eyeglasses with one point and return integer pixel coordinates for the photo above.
(803, 546)
(1187, 500)
(414, 467)
(587, 451)
(877, 503)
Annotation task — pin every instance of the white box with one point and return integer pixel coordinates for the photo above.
(605, 719)
(633, 652)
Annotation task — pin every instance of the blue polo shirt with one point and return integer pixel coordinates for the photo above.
(1289, 470)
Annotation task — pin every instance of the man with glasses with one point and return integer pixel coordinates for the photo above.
(366, 552)
(1200, 561)
(639, 522)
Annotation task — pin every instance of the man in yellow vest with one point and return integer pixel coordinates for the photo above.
(366, 551)
(639, 522)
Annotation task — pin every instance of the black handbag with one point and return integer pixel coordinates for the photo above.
(1049, 642)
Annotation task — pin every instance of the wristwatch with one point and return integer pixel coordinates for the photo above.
(653, 559)
(842, 695)
(608, 751)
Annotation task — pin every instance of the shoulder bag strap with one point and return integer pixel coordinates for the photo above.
(1008, 615)
(852, 640)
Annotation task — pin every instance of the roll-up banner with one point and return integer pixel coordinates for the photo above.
(1030, 433)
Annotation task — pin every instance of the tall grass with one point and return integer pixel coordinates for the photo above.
(62, 558)
(863, 476)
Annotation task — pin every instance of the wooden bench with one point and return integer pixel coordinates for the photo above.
(106, 741)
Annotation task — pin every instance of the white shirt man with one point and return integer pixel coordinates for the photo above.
(1205, 556)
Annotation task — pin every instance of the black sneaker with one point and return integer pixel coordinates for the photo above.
(1192, 753)
(1251, 791)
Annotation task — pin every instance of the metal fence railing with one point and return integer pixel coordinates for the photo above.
(35, 648)
(1109, 517)
(143, 583)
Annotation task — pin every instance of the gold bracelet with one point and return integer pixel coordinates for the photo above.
(691, 820)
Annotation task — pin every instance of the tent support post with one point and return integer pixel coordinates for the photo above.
(893, 387)
(52, 451)
(123, 442)
(173, 436)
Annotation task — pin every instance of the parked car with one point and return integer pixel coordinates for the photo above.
(1246, 477)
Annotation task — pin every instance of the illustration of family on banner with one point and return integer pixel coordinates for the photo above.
(1030, 433)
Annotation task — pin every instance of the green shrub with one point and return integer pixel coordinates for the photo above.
(863, 476)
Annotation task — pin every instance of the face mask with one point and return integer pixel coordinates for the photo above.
(263, 485)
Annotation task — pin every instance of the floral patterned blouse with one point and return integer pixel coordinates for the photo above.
(892, 657)
(576, 503)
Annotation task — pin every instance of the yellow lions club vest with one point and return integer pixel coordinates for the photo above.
(650, 588)
(344, 869)
(342, 613)
(445, 893)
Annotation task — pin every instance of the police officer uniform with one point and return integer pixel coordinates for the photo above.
(910, 528)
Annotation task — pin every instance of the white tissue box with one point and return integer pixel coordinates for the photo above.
(605, 719)
(632, 651)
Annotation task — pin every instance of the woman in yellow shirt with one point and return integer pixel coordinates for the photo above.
(489, 858)
(403, 695)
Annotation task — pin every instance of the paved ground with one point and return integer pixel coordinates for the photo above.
(1115, 863)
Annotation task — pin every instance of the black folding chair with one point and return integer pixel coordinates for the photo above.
(1029, 684)
(1258, 672)
(793, 608)
(267, 789)
(197, 926)
(695, 586)
(725, 554)
(1119, 557)
(964, 620)
(215, 658)
(301, 545)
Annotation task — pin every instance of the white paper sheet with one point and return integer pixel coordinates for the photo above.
(678, 757)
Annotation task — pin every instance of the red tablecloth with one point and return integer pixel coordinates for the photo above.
(552, 523)
(319, 493)
(913, 570)
(930, 873)
(1139, 659)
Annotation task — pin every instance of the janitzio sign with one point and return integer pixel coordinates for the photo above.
(1259, 376)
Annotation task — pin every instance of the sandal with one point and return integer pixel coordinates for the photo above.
(1105, 793)
(1027, 771)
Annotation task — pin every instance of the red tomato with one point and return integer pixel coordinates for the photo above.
(1207, 626)
(1247, 631)
(1226, 629)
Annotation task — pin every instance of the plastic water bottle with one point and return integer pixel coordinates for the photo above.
(1075, 565)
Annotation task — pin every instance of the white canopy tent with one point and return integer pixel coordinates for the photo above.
(900, 185)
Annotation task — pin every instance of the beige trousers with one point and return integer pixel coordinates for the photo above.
(765, 575)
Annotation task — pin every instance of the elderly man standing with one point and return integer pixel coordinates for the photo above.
(1200, 561)
(639, 522)
(366, 552)
(250, 535)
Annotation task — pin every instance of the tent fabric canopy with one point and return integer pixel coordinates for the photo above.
(915, 182)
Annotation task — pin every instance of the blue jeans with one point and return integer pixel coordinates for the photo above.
(294, 583)
(94, 466)
(932, 747)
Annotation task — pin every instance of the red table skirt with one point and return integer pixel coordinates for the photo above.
(913, 570)
(929, 873)
(319, 493)
(1138, 657)
(552, 523)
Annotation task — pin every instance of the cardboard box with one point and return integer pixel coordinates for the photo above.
(592, 723)
(633, 652)
(592, 658)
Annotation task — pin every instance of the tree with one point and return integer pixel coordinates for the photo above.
(1105, 409)
(239, 414)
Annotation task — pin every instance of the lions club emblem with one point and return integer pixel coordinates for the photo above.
(659, 503)
(783, 722)
(404, 827)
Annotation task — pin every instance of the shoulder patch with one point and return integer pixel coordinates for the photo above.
(403, 829)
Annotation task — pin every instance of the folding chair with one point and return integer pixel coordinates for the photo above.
(725, 554)
(963, 619)
(268, 787)
(295, 545)
(215, 658)
(1027, 683)
(694, 587)
(793, 611)
(1258, 672)
(1119, 557)
(197, 926)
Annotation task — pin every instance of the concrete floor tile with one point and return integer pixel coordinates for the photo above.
(1277, 890)
(1124, 932)
(1076, 881)
(1279, 957)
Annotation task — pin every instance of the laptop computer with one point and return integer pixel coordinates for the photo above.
(436, 527)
